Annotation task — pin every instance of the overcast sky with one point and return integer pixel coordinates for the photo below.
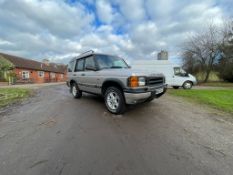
(133, 29)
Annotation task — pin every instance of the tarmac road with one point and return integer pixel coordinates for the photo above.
(52, 133)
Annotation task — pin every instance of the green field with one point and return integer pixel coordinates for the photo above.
(219, 99)
(11, 95)
(217, 84)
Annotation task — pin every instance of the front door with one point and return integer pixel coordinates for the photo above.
(178, 79)
(90, 75)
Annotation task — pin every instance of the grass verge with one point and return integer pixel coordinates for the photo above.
(217, 84)
(219, 99)
(12, 95)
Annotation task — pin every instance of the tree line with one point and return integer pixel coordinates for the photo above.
(210, 51)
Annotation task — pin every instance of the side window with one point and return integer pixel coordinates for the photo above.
(71, 66)
(180, 72)
(90, 62)
(79, 65)
(177, 71)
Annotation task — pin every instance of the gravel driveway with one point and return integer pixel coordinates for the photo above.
(52, 133)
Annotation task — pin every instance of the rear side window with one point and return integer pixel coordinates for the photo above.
(71, 66)
(79, 65)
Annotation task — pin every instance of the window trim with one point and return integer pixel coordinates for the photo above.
(38, 73)
(28, 73)
(52, 73)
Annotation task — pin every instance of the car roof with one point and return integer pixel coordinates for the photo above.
(90, 54)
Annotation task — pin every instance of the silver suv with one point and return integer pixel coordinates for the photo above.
(111, 77)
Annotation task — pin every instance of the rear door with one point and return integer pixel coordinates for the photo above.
(78, 73)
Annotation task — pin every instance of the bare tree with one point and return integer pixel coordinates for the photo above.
(204, 48)
(226, 61)
(189, 64)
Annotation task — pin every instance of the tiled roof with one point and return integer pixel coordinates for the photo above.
(20, 62)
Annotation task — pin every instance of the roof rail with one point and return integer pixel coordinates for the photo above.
(87, 52)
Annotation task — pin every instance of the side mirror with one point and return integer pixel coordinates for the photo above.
(91, 68)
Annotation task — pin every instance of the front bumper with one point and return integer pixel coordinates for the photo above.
(135, 96)
(195, 82)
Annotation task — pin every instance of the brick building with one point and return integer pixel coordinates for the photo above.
(30, 71)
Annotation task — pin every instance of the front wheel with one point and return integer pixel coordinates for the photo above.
(75, 91)
(187, 85)
(114, 100)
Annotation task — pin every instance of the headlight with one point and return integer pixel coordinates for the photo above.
(135, 81)
(141, 81)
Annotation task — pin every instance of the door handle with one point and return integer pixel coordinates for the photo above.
(74, 75)
(82, 74)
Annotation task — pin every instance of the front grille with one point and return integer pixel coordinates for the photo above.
(154, 81)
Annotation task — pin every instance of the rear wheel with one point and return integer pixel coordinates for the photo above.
(176, 87)
(75, 91)
(114, 100)
(187, 85)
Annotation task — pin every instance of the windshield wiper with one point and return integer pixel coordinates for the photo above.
(116, 67)
(105, 68)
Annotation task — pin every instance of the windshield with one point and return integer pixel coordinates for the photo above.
(109, 62)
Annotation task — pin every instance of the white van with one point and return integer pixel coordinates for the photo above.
(175, 76)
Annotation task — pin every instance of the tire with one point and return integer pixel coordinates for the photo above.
(75, 91)
(175, 87)
(187, 85)
(150, 99)
(114, 100)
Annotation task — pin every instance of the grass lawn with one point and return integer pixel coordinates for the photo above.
(217, 84)
(219, 99)
(11, 95)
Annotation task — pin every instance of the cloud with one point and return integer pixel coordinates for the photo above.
(132, 10)
(104, 11)
(133, 29)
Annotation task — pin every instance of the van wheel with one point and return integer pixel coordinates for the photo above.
(176, 87)
(114, 100)
(187, 85)
(75, 91)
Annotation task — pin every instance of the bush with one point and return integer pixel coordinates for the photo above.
(226, 72)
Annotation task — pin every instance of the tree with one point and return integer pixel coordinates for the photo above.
(5, 68)
(189, 63)
(226, 61)
(203, 49)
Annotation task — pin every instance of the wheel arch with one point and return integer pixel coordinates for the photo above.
(112, 82)
(72, 82)
(187, 82)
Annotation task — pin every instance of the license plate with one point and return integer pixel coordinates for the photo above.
(159, 91)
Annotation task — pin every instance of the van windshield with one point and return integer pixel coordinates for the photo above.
(110, 62)
(180, 72)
